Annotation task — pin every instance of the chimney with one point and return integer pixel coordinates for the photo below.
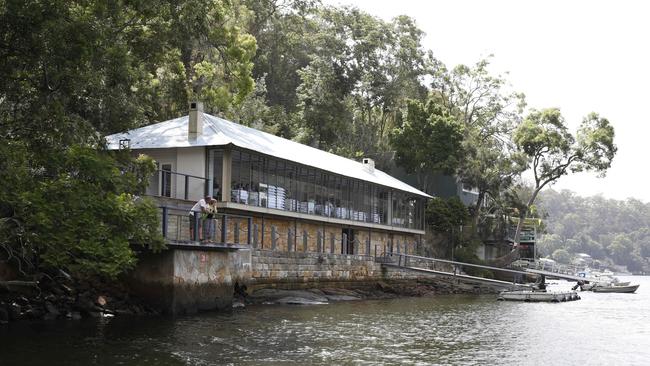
(195, 125)
(368, 165)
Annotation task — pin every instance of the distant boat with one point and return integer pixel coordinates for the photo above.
(628, 289)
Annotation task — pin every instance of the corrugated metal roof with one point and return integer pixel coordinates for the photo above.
(219, 132)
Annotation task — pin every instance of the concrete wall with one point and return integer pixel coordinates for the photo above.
(182, 281)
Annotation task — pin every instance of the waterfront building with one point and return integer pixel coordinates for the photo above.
(273, 193)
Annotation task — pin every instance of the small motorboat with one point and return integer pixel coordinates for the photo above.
(627, 289)
(538, 296)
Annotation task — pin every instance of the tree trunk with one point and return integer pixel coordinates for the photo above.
(477, 209)
(522, 215)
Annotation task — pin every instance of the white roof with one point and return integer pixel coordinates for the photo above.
(219, 132)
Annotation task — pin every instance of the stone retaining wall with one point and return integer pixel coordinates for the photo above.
(277, 268)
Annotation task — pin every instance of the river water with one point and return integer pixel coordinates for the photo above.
(600, 329)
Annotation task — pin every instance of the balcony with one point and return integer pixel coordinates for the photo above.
(166, 183)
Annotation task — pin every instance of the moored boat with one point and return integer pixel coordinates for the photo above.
(538, 296)
(615, 288)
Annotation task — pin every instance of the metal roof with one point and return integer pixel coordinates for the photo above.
(219, 132)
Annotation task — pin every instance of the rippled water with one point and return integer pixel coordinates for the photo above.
(600, 329)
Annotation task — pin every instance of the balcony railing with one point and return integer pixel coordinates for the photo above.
(178, 226)
(165, 183)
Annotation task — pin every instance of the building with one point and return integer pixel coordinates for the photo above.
(274, 193)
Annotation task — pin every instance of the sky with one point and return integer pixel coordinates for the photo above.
(579, 56)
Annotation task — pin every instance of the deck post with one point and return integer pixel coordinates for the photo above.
(164, 222)
(249, 235)
(187, 184)
(224, 229)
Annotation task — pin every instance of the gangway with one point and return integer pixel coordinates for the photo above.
(428, 265)
(562, 276)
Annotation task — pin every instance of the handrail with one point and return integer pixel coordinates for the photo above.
(454, 262)
(183, 174)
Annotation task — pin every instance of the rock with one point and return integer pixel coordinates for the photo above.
(33, 313)
(51, 309)
(101, 301)
(14, 311)
(69, 290)
(22, 301)
(84, 304)
(123, 312)
(341, 298)
(292, 300)
(272, 295)
(340, 291)
(4, 315)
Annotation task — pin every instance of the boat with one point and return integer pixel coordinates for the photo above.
(628, 289)
(538, 296)
(603, 281)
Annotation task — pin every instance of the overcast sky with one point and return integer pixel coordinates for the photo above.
(579, 56)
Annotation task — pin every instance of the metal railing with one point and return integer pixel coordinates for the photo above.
(440, 265)
(165, 183)
(178, 226)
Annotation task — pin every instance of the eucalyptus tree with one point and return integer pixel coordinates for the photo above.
(489, 111)
(553, 151)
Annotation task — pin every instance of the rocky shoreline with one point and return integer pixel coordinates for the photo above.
(380, 290)
(63, 298)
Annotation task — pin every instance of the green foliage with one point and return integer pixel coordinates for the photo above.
(445, 215)
(562, 256)
(606, 229)
(84, 219)
(428, 139)
(553, 152)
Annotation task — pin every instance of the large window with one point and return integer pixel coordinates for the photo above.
(259, 180)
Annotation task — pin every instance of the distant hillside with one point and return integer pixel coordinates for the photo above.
(609, 230)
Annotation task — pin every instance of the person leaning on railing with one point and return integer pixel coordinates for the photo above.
(199, 210)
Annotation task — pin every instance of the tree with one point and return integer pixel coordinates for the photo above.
(428, 140)
(562, 256)
(553, 152)
(621, 249)
(488, 112)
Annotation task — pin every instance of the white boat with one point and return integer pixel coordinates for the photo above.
(538, 296)
(603, 281)
(628, 289)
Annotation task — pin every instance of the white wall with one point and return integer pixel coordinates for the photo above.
(191, 160)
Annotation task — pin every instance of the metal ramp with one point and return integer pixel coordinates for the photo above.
(562, 276)
(433, 266)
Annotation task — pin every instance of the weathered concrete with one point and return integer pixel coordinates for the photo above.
(179, 281)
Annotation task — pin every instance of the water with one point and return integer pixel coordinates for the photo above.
(600, 329)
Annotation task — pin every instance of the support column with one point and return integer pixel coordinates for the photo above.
(226, 177)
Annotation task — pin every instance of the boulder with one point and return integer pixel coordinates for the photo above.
(4, 315)
(292, 300)
(272, 295)
(341, 298)
(14, 311)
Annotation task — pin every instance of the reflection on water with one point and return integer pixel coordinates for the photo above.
(454, 330)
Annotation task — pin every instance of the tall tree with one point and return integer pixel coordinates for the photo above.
(428, 140)
(489, 112)
(553, 152)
